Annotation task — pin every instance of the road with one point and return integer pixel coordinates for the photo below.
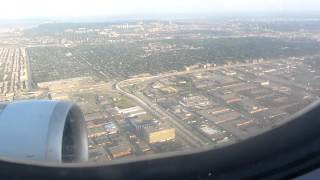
(155, 109)
(133, 81)
(28, 66)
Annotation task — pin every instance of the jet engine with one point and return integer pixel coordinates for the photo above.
(43, 130)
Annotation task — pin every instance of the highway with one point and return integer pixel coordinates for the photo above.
(133, 81)
(154, 109)
(182, 129)
(186, 135)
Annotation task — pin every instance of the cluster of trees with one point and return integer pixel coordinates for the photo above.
(126, 59)
(52, 63)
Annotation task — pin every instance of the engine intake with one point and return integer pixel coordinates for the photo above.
(43, 130)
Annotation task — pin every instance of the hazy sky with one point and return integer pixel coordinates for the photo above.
(74, 8)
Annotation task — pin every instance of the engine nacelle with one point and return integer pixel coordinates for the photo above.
(43, 130)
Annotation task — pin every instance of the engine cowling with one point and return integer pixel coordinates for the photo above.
(43, 130)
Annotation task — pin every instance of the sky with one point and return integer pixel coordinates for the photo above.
(19, 9)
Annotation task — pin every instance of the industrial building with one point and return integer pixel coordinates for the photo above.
(96, 131)
(132, 111)
(120, 150)
(195, 101)
(155, 135)
(139, 125)
(111, 128)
